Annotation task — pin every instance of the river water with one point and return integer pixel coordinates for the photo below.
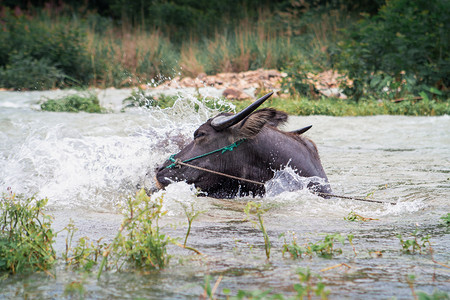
(88, 164)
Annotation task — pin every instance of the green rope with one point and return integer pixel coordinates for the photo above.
(223, 149)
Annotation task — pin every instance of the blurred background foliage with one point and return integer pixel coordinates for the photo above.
(390, 49)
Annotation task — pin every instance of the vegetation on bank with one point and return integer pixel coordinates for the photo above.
(295, 105)
(303, 106)
(395, 50)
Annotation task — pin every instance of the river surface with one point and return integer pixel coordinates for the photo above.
(88, 164)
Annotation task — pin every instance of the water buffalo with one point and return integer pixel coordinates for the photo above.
(247, 145)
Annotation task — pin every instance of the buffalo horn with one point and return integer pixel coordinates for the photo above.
(222, 122)
(302, 130)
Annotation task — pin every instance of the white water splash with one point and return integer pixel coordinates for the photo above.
(90, 160)
(287, 180)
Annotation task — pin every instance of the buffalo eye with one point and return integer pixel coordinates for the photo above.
(198, 134)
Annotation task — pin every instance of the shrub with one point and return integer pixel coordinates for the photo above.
(73, 103)
(139, 98)
(26, 239)
(403, 49)
(59, 46)
(26, 72)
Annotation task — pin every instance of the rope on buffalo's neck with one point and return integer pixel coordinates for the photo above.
(230, 147)
(177, 161)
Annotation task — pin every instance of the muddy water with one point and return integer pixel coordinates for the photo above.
(87, 164)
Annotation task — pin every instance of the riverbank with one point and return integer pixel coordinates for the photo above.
(115, 100)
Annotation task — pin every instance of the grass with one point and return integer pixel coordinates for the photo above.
(302, 106)
(295, 105)
(253, 208)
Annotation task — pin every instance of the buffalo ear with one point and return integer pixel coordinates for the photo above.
(255, 122)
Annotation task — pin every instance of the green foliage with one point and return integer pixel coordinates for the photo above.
(73, 103)
(404, 49)
(139, 242)
(26, 237)
(446, 219)
(308, 285)
(411, 246)
(420, 295)
(337, 107)
(139, 98)
(253, 208)
(352, 217)
(191, 215)
(436, 295)
(26, 72)
(255, 295)
(60, 50)
(143, 245)
(183, 18)
(75, 288)
(323, 248)
(296, 82)
(84, 255)
(295, 250)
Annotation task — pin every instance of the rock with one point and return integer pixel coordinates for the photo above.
(187, 82)
(201, 76)
(333, 92)
(327, 82)
(235, 94)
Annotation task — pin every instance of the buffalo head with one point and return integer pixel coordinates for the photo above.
(256, 150)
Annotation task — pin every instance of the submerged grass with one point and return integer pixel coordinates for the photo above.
(417, 243)
(253, 208)
(309, 285)
(325, 248)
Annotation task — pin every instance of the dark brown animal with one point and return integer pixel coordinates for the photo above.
(247, 145)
